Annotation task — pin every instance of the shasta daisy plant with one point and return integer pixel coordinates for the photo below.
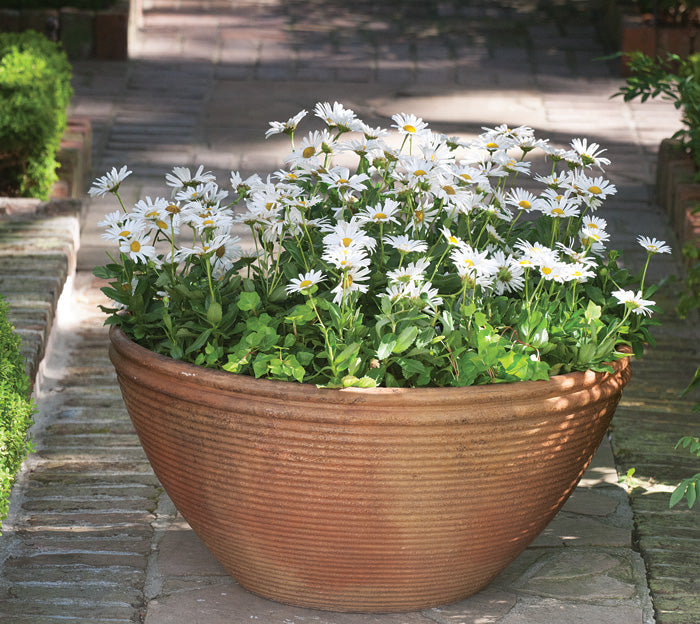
(434, 261)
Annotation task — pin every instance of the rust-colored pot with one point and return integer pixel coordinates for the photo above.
(376, 500)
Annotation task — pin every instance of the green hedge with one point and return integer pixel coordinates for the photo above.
(35, 91)
(16, 409)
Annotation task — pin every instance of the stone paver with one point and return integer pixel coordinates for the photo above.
(92, 537)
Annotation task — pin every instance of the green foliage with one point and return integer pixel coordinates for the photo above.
(35, 91)
(393, 282)
(16, 409)
(688, 488)
(674, 79)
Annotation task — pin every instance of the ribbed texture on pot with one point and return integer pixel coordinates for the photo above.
(376, 500)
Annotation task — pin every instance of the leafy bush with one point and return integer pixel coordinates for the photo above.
(35, 91)
(16, 409)
(672, 78)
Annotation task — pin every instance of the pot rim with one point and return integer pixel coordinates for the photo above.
(191, 374)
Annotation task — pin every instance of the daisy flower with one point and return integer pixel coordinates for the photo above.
(286, 127)
(578, 272)
(337, 116)
(182, 177)
(536, 253)
(588, 154)
(634, 301)
(508, 275)
(346, 257)
(349, 234)
(124, 229)
(137, 247)
(111, 218)
(410, 125)
(653, 245)
(593, 236)
(339, 178)
(405, 244)
(305, 281)
(451, 238)
(382, 213)
(313, 146)
(109, 183)
(472, 263)
(350, 282)
(521, 199)
(594, 223)
(422, 295)
(559, 208)
(413, 272)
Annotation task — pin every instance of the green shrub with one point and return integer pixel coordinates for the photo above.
(16, 409)
(674, 79)
(35, 91)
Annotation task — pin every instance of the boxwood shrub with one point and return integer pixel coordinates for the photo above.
(35, 91)
(16, 409)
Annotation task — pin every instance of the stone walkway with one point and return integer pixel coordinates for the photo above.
(93, 539)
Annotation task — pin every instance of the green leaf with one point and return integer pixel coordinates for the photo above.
(593, 311)
(405, 339)
(200, 341)
(691, 494)
(248, 301)
(343, 359)
(386, 346)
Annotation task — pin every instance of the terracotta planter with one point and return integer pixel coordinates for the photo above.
(363, 500)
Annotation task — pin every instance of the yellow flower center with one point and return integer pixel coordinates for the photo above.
(419, 172)
(448, 190)
(546, 270)
(347, 281)
(596, 190)
(305, 283)
(453, 240)
(409, 128)
(342, 181)
(492, 145)
(468, 262)
(309, 151)
(152, 214)
(221, 251)
(125, 234)
(465, 176)
(592, 226)
(162, 224)
(524, 204)
(558, 211)
(347, 241)
(135, 246)
(379, 216)
(173, 209)
(208, 222)
(419, 215)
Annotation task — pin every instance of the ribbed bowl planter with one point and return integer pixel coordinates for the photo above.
(375, 500)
